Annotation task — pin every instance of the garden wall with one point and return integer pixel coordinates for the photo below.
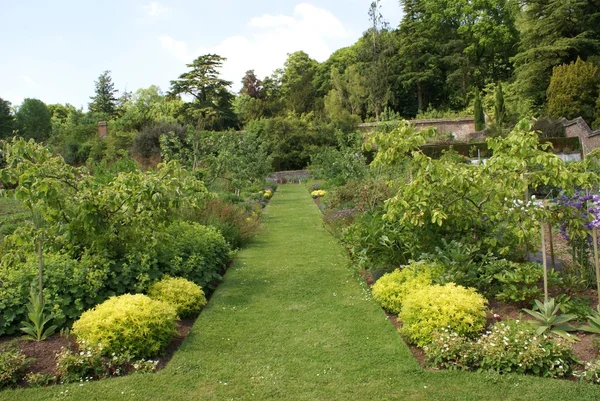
(463, 128)
(578, 128)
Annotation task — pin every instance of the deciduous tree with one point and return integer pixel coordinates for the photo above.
(34, 120)
(7, 120)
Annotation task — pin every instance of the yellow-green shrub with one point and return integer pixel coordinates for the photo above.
(433, 308)
(133, 324)
(391, 289)
(186, 297)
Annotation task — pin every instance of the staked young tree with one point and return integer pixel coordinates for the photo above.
(33, 120)
(105, 100)
(212, 105)
(7, 120)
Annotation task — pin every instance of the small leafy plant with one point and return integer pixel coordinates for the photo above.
(12, 366)
(507, 347)
(35, 328)
(549, 321)
(39, 379)
(593, 323)
(590, 374)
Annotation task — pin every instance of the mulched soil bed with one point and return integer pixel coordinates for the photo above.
(44, 352)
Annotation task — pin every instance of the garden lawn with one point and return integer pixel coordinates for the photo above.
(291, 322)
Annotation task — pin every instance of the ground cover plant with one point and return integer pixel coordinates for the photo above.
(275, 329)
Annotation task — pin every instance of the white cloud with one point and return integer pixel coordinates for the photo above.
(155, 9)
(270, 39)
(28, 80)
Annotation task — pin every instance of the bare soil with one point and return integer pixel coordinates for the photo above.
(43, 354)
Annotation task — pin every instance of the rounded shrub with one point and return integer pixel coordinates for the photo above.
(391, 289)
(133, 324)
(439, 307)
(195, 252)
(186, 297)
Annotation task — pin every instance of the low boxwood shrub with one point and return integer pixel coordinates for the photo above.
(508, 347)
(433, 308)
(132, 324)
(391, 289)
(186, 297)
(195, 252)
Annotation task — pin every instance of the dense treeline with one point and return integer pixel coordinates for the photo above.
(446, 58)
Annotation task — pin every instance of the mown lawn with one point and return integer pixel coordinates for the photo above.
(290, 322)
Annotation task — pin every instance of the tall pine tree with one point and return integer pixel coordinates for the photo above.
(105, 99)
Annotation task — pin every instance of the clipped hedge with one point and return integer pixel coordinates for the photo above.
(434, 308)
(133, 324)
(186, 297)
(391, 289)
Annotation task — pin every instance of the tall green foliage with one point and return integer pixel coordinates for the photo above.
(7, 120)
(553, 32)
(499, 107)
(479, 115)
(211, 108)
(33, 120)
(573, 90)
(297, 82)
(104, 100)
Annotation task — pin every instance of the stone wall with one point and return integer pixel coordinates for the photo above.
(282, 177)
(463, 128)
(590, 140)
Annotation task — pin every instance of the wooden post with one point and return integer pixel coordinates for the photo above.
(545, 263)
(595, 239)
(551, 239)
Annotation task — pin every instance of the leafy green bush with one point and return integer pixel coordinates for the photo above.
(590, 373)
(194, 252)
(433, 308)
(237, 225)
(518, 282)
(70, 287)
(134, 324)
(508, 347)
(12, 366)
(391, 289)
(513, 346)
(85, 365)
(186, 297)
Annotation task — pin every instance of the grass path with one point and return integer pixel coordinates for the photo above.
(291, 323)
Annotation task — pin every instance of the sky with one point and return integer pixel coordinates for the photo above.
(55, 50)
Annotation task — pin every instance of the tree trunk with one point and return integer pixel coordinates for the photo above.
(420, 96)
